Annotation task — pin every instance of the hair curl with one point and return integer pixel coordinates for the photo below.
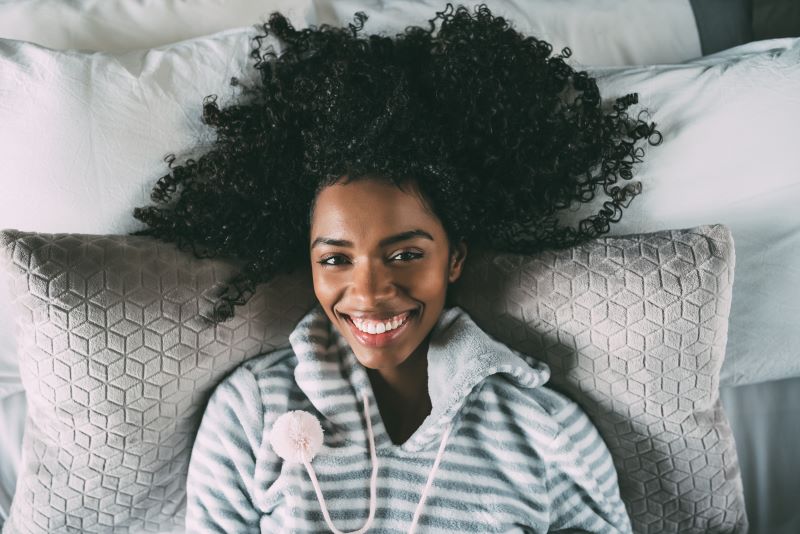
(498, 134)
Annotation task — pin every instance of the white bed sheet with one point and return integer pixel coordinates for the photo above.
(12, 421)
(124, 25)
(765, 419)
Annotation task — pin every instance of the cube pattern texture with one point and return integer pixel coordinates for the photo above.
(634, 329)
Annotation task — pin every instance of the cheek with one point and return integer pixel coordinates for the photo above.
(325, 285)
(428, 282)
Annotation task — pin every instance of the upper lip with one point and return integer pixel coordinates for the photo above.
(376, 316)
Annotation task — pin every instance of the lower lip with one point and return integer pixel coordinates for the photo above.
(379, 340)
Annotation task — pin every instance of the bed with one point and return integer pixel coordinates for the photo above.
(92, 96)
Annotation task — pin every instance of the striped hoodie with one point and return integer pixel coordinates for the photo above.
(518, 457)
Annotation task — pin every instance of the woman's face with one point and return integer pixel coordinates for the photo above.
(377, 253)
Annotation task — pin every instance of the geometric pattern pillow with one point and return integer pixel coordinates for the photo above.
(634, 330)
(117, 362)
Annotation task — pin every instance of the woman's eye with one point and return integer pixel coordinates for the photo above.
(414, 255)
(327, 260)
(410, 256)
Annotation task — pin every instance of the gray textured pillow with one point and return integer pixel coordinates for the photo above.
(634, 329)
(117, 361)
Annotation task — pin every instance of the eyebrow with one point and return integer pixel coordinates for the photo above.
(402, 236)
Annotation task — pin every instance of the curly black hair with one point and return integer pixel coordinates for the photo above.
(498, 134)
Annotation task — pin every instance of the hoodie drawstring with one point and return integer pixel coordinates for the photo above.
(297, 436)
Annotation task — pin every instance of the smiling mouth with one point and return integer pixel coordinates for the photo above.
(382, 339)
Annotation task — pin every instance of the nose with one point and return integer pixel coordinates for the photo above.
(373, 283)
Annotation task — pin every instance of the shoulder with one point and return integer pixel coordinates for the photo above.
(558, 430)
(541, 411)
(252, 378)
(279, 360)
(275, 362)
(238, 404)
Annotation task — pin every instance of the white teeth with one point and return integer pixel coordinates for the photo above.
(380, 328)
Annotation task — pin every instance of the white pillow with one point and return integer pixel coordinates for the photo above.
(84, 135)
(599, 32)
(123, 25)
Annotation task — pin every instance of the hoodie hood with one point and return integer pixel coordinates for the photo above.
(460, 357)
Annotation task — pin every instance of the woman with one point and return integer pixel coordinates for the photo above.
(377, 162)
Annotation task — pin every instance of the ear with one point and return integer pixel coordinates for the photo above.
(457, 257)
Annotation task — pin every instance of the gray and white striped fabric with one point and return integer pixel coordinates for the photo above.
(521, 457)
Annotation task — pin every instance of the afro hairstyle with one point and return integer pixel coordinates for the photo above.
(498, 133)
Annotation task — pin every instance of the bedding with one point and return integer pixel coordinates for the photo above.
(655, 31)
(123, 25)
(659, 31)
(728, 155)
(118, 358)
(763, 417)
(88, 126)
(634, 329)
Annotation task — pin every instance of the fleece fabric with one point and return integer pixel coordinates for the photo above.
(520, 458)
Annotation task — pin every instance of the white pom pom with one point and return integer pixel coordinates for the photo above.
(296, 434)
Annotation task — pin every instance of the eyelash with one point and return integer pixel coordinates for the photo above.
(416, 255)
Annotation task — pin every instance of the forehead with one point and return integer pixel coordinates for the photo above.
(366, 204)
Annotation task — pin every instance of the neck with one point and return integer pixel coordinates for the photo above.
(402, 392)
